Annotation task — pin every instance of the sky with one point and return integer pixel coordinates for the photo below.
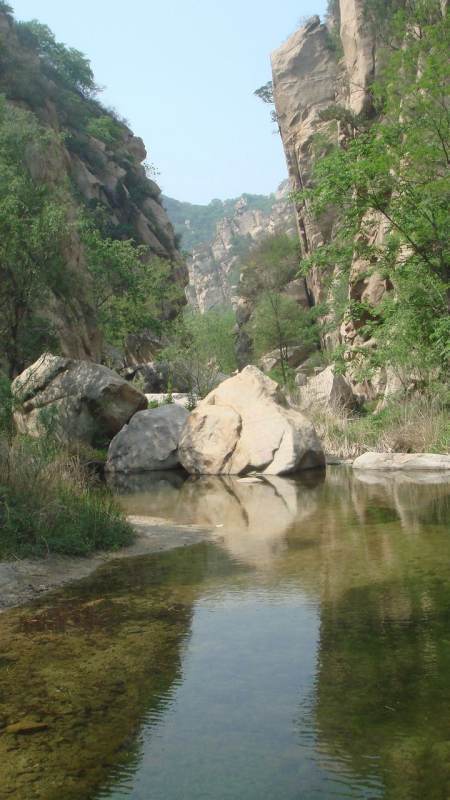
(183, 73)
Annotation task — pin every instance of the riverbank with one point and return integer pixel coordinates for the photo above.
(24, 580)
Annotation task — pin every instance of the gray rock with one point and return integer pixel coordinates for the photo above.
(149, 441)
(246, 425)
(78, 399)
(296, 355)
(327, 389)
(406, 461)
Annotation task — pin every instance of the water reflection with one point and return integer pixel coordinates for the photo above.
(305, 654)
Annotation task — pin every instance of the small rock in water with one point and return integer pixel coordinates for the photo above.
(26, 726)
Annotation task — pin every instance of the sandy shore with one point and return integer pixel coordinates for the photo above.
(22, 581)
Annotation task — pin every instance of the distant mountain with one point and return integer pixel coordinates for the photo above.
(196, 224)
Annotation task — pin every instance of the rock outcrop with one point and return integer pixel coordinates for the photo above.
(149, 441)
(245, 426)
(328, 389)
(403, 461)
(107, 176)
(323, 65)
(76, 400)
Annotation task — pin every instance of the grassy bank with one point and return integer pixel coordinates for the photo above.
(419, 424)
(49, 503)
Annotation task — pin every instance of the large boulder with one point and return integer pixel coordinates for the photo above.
(79, 400)
(149, 441)
(328, 389)
(245, 425)
(406, 461)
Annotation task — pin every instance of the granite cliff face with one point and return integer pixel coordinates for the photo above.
(214, 266)
(108, 177)
(319, 66)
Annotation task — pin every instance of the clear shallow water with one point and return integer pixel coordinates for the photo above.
(303, 654)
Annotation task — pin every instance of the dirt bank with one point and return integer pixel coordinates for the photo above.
(21, 581)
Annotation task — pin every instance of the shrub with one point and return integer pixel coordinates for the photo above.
(104, 128)
(49, 505)
(406, 425)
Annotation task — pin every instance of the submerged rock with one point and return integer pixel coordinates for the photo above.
(149, 441)
(406, 461)
(246, 425)
(79, 400)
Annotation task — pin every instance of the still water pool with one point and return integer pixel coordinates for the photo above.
(303, 654)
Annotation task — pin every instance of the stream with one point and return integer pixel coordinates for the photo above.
(302, 654)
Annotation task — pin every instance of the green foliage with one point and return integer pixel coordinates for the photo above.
(202, 348)
(6, 407)
(64, 63)
(278, 323)
(5, 8)
(131, 292)
(395, 171)
(105, 128)
(270, 266)
(48, 505)
(33, 230)
(265, 92)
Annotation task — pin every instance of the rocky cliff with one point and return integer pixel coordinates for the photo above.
(96, 154)
(320, 66)
(214, 265)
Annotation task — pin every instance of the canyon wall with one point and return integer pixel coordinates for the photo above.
(319, 66)
(108, 177)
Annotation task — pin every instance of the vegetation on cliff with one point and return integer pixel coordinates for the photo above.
(393, 171)
(101, 260)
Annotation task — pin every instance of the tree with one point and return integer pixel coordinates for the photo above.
(396, 169)
(202, 348)
(278, 323)
(33, 230)
(132, 291)
(270, 266)
(65, 63)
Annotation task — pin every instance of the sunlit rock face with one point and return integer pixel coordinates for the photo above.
(309, 76)
(245, 426)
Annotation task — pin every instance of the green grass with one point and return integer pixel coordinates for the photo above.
(50, 504)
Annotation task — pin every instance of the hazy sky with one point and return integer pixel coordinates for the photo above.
(183, 73)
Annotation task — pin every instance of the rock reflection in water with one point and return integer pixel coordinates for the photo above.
(308, 655)
(250, 515)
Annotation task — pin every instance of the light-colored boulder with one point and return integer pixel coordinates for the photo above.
(80, 400)
(406, 461)
(149, 441)
(327, 389)
(246, 425)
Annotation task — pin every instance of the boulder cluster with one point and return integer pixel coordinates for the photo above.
(245, 426)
